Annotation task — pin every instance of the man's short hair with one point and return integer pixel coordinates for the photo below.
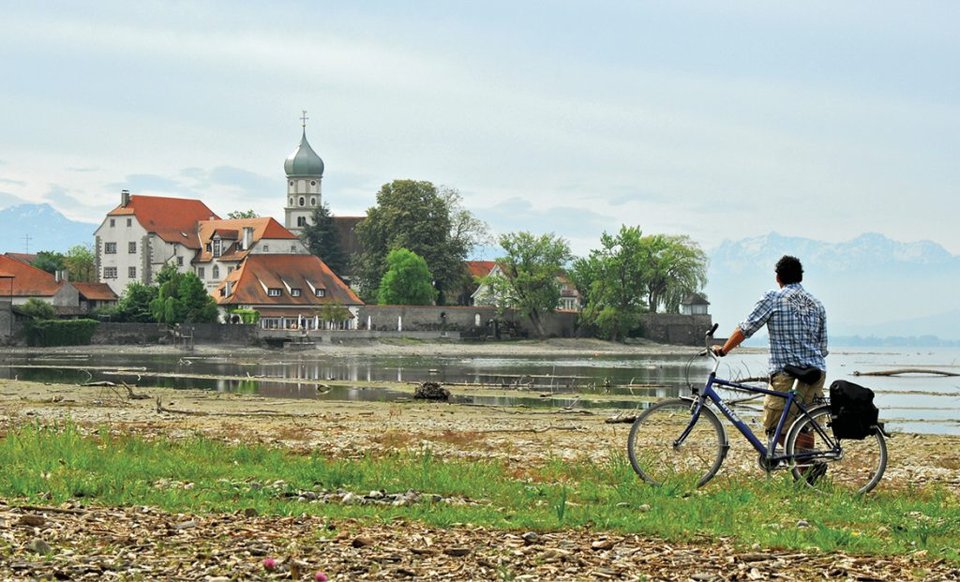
(789, 270)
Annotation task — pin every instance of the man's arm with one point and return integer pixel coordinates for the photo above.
(736, 337)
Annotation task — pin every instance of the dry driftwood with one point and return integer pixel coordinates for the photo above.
(904, 371)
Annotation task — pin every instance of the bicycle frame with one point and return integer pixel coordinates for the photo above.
(766, 450)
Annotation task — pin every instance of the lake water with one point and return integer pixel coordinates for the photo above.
(912, 403)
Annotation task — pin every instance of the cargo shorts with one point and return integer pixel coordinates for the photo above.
(773, 406)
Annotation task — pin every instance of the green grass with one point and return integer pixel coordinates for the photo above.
(53, 464)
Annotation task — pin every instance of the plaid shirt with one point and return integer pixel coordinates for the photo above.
(797, 324)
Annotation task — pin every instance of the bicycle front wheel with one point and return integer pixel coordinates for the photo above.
(658, 457)
(850, 464)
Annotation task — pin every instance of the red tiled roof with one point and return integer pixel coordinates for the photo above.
(95, 291)
(172, 219)
(27, 258)
(232, 230)
(479, 269)
(258, 273)
(27, 281)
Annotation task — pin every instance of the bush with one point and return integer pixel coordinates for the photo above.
(56, 332)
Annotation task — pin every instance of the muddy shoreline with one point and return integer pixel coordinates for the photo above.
(519, 437)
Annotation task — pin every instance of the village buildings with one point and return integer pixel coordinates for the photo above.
(245, 264)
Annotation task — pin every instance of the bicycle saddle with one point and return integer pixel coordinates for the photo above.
(805, 375)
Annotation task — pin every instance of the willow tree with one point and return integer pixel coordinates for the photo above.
(677, 266)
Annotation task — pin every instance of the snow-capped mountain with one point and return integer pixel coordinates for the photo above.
(47, 229)
(870, 285)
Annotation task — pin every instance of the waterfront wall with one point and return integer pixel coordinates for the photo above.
(379, 321)
(152, 333)
(675, 329)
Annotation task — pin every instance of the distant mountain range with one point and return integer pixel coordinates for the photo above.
(872, 286)
(39, 227)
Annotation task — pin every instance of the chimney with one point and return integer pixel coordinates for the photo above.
(247, 237)
(124, 198)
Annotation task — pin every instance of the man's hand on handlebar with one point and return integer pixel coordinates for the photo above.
(718, 351)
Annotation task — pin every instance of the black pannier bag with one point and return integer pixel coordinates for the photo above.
(852, 410)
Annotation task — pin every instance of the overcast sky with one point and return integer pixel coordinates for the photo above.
(719, 120)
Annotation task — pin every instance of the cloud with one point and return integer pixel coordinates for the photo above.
(61, 198)
(8, 199)
(517, 214)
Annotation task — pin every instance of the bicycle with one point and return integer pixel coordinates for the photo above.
(682, 440)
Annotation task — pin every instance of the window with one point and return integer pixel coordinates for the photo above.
(112, 222)
(132, 272)
(129, 222)
(273, 292)
(293, 249)
(216, 272)
(294, 293)
(313, 201)
(217, 247)
(201, 272)
(313, 182)
(179, 261)
(266, 248)
(110, 248)
(302, 201)
(291, 183)
(229, 270)
(301, 221)
(321, 292)
(132, 248)
(109, 272)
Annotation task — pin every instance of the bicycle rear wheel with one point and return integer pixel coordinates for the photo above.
(656, 456)
(851, 465)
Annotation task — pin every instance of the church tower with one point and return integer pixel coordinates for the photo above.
(304, 170)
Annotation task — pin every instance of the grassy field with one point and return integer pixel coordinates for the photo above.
(58, 463)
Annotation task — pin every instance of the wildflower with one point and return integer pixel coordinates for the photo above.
(269, 564)
(320, 576)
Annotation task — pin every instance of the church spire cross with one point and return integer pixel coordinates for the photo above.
(303, 119)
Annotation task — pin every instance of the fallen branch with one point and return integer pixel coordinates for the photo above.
(133, 395)
(902, 371)
(250, 413)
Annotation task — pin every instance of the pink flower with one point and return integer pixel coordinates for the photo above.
(320, 576)
(269, 564)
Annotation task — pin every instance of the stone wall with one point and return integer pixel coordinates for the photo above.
(152, 333)
(675, 329)
(469, 321)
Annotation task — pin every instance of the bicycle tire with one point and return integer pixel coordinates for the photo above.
(860, 466)
(657, 461)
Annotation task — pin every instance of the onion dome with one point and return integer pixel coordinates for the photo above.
(304, 161)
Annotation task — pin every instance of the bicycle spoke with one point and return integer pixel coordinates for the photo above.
(660, 460)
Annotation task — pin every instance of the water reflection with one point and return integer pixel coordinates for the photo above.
(921, 404)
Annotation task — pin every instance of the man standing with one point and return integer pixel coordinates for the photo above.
(797, 325)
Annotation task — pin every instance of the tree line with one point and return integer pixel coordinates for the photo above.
(415, 240)
(413, 245)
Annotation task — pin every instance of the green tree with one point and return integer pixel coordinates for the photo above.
(79, 262)
(134, 304)
(677, 267)
(182, 298)
(333, 313)
(49, 261)
(38, 309)
(529, 280)
(614, 282)
(408, 280)
(416, 216)
(323, 240)
(243, 214)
